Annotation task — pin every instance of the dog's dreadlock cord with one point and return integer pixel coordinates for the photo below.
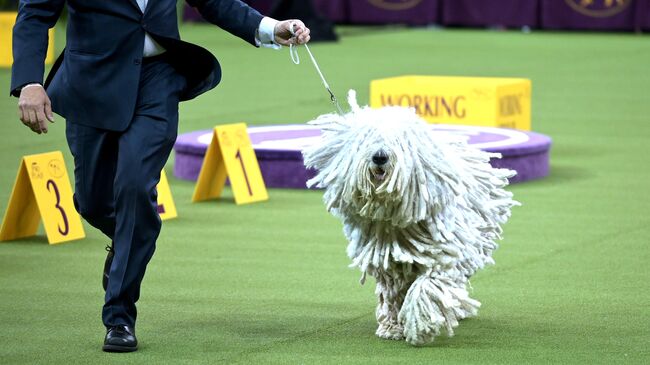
(293, 52)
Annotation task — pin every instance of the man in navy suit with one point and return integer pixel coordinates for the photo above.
(118, 84)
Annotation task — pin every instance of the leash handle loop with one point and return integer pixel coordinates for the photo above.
(293, 52)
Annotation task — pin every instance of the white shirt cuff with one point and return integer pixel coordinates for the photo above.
(30, 85)
(265, 36)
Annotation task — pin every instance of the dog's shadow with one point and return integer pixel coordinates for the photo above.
(358, 331)
(285, 321)
(493, 333)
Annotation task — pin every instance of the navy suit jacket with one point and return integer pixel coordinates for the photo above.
(95, 80)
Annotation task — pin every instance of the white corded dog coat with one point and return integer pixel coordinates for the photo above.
(421, 211)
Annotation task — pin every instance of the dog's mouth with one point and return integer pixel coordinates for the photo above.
(378, 173)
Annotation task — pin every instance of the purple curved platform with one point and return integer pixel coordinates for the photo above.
(278, 149)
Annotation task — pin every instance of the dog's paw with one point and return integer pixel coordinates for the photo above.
(390, 332)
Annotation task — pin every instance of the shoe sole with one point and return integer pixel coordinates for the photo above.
(115, 348)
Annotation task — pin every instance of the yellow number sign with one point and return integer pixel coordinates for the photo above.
(231, 155)
(166, 206)
(42, 190)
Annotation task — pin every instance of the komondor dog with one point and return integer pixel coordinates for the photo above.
(421, 211)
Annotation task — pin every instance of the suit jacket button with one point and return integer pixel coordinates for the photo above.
(137, 62)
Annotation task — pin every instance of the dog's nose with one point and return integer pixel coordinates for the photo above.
(380, 158)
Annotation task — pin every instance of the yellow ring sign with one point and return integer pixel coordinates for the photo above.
(7, 21)
(481, 101)
(231, 155)
(42, 191)
(166, 206)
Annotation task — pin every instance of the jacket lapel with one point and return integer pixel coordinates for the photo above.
(137, 7)
(149, 4)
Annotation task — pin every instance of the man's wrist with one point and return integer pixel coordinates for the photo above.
(30, 85)
(266, 33)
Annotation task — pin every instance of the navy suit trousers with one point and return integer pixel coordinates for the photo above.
(116, 174)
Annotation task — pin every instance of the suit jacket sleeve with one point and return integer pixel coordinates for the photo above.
(232, 15)
(30, 38)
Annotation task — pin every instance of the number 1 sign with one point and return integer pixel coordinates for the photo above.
(42, 190)
(231, 155)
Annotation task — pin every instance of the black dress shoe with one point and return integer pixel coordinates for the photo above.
(107, 265)
(120, 339)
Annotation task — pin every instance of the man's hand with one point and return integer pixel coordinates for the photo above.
(284, 36)
(35, 109)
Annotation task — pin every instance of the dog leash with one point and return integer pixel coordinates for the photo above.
(293, 52)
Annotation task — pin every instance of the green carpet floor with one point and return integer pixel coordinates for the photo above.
(269, 283)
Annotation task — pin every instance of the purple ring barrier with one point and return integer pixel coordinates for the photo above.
(413, 12)
(263, 6)
(545, 14)
(278, 150)
(507, 13)
(592, 15)
(642, 21)
(334, 10)
(190, 14)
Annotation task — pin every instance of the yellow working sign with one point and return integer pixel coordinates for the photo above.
(230, 154)
(482, 101)
(166, 206)
(42, 191)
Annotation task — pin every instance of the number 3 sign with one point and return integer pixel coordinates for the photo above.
(231, 155)
(42, 190)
